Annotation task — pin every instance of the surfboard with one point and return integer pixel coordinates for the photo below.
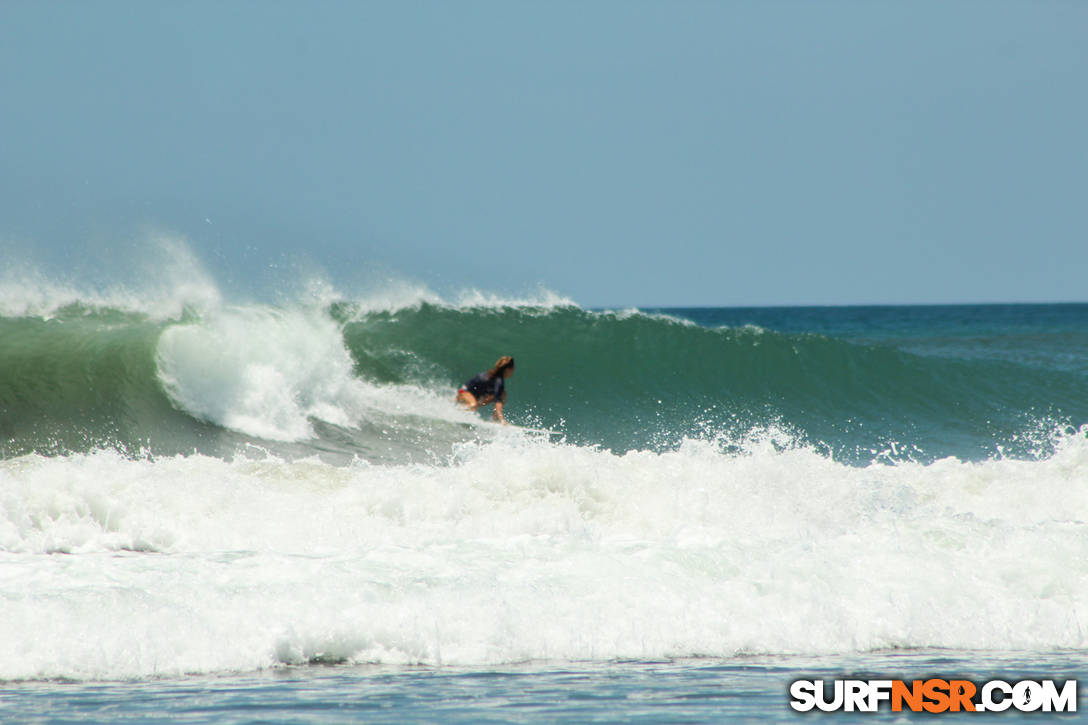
(545, 431)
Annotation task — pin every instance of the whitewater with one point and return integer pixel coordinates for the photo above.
(192, 487)
(522, 550)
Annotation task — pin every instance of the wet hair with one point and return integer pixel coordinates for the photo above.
(501, 364)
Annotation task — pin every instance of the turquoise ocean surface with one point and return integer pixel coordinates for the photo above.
(216, 513)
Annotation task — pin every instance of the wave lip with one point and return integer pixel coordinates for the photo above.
(397, 296)
(174, 283)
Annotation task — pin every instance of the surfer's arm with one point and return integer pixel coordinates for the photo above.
(497, 415)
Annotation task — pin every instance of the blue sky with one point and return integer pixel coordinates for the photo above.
(620, 153)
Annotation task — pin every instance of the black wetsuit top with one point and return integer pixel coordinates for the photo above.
(480, 386)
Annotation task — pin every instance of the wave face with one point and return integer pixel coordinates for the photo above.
(631, 380)
(212, 487)
(342, 380)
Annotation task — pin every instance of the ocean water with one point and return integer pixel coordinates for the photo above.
(217, 511)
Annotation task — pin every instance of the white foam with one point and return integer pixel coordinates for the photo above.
(542, 298)
(634, 312)
(524, 550)
(261, 371)
(394, 295)
(267, 372)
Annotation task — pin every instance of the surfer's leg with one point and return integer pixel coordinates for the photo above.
(467, 399)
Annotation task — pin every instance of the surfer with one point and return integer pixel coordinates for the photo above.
(488, 387)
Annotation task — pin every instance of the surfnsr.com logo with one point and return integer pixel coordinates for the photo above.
(934, 695)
